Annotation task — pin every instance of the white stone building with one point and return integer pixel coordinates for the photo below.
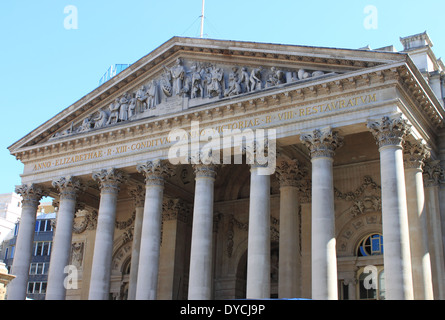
(337, 182)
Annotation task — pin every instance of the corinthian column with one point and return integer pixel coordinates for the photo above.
(68, 188)
(322, 146)
(432, 174)
(390, 134)
(200, 278)
(289, 174)
(31, 195)
(155, 173)
(414, 156)
(109, 182)
(138, 195)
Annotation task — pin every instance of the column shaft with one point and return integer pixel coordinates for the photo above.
(135, 250)
(324, 255)
(23, 249)
(322, 145)
(103, 245)
(200, 278)
(258, 252)
(61, 248)
(420, 257)
(150, 243)
(155, 173)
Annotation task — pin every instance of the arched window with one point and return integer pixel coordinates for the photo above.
(370, 245)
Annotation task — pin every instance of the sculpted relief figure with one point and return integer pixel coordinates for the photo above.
(244, 80)
(152, 95)
(114, 112)
(275, 78)
(141, 97)
(132, 107)
(165, 83)
(178, 75)
(123, 109)
(234, 84)
(255, 79)
(101, 120)
(215, 88)
(196, 90)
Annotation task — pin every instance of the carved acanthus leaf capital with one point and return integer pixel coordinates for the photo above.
(155, 171)
(322, 143)
(205, 170)
(290, 173)
(137, 192)
(69, 187)
(389, 131)
(110, 180)
(415, 153)
(31, 194)
(433, 173)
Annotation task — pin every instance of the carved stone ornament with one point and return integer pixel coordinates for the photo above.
(68, 187)
(415, 154)
(188, 84)
(322, 143)
(433, 173)
(137, 192)
(110, 179)
(389, 132)
(175, 209)
(366, 198)
(31, 194)
(290, 173)
(205, 170)
(88, 222)
(156, 171)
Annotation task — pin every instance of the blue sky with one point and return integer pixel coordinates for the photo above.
(46, 67)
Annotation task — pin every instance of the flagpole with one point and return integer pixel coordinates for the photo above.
(202, 18)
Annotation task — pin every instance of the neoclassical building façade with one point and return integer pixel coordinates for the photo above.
(351, 205)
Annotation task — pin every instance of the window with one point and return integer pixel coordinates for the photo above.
(36, 287)
(42, 248)
(369, 291)
(370, 246)
(38, 268)
(43, 226)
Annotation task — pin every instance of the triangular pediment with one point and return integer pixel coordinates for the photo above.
(187, 73)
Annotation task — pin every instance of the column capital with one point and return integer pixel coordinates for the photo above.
(137, 192)
(31, 194)
(415, 154)
(155, 171)
(322, 143)
(205, 170)
(390, 131)
(110, 179)
(432, 173)
(290, 173)
(69, 187)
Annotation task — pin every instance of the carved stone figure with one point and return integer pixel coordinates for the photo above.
(275, 78)
(166, 85)
(86, 125)
(152, 95)
(215, 88)
(114, 112)
(123, 109)
(178, 75)
(255, 79)
(101, 120)
(196, 85)
(132, 107)
(244, 80)
(141, 97)
(234, 85)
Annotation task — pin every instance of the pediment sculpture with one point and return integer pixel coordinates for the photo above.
(187, 84)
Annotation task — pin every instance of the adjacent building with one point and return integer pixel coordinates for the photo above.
(214, 169)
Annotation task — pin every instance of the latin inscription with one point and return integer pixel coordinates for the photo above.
(271, 119)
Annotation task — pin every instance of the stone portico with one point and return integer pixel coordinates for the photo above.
(157, 198)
